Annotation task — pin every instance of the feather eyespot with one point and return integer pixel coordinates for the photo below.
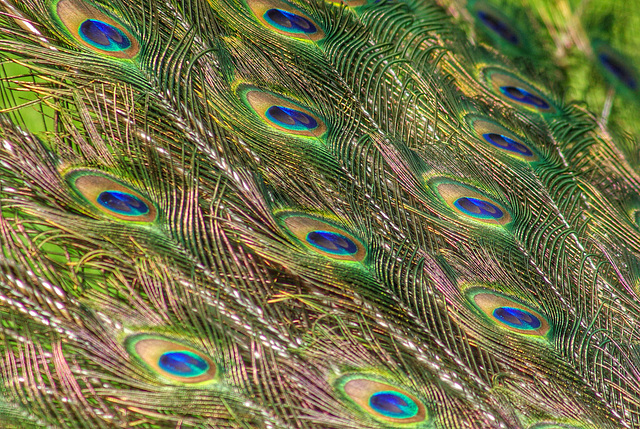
(517, 318)
(509, 314)
(103, 35)
(289, 22)
(478, 208)
(393, 404)
(331, 242)
(502, 139)
(283, 114)
(112, 197)
(172, 360)
(325, 238)
(616, 67)
(382, 401)
(470, 203)
(507, 143)
(523, 96)
(122, 203)
(286, 20)
(291, 119)
(496, 23)
(96, 30)
(518, 92)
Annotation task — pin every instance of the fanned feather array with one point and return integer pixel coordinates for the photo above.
(319, 214)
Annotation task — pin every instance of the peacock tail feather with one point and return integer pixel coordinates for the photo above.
(319, 214)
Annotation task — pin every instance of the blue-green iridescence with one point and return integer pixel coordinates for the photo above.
(524, 96)
(501, 28)
(122, 203)
(506, 143)
(291, 119)
(621, 71)
(332, 242)
(290, 22)
(183, 363)
(478, 208)
(517, 318)
(393, 404)
(103, 36)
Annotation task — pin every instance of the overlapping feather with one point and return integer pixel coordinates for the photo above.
(305, 214)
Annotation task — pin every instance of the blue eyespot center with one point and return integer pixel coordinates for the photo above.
(289, 22)
(498, 26)
(517, 318)
(332, 242)
(122, 203)
(393, 404)
(183, 363)
(524, 96)
(478, 208)
(619, 70)
(291, 119)
(103, 36)
(507, 143)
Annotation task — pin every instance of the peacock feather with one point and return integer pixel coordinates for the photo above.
(319, 214)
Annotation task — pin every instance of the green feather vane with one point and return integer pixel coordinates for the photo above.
(319, 214)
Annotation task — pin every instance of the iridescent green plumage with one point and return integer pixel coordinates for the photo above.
(318, 214)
